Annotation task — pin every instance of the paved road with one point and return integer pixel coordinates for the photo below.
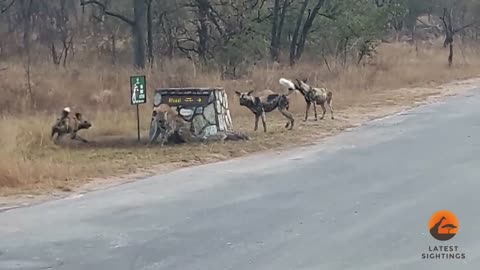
(360, 200)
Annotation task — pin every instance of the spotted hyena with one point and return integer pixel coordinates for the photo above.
(167, 125)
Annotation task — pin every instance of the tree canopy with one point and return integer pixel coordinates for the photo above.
(226, 34)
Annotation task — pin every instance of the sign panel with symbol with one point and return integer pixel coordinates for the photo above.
(138, 90)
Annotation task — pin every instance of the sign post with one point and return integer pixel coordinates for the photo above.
(138, 95)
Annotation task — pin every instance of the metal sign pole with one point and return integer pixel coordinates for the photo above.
(138, 124)
(138, 95)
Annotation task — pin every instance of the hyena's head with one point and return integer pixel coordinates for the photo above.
(162, 112)
(165, 116)
(82, 122)
(246, 98)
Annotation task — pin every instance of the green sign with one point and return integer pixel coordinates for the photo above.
(138, 90)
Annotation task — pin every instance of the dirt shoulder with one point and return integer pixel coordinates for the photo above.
(118, 163)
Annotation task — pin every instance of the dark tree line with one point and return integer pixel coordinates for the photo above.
(226, 34)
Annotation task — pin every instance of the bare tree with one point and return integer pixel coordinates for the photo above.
(278, 19)
(57, 27)
(150, 33)
(450, 30)
(26, 7)
(4, 6)
(301, 32)
(201, 23)
(137, 26)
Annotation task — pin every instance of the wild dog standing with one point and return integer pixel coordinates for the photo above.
(67, 124)
(266, 102)
(315, 96)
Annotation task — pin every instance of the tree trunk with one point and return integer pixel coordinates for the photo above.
(139, 33)
(170, 38)
(282, 20)
(294, 42)
(168, 33)
(27, 27)
(27, 22)
(273, 42)
(450, 56)
(149, 33)
(306, 28)
(203, 31)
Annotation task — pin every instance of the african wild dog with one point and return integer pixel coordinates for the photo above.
(266, 102)
(315, 96)
(67, 124)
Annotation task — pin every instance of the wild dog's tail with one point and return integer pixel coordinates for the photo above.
(287, 83)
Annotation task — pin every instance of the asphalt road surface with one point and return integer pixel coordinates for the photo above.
(360, 200)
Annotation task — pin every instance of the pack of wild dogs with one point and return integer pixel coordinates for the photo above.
(267, 101)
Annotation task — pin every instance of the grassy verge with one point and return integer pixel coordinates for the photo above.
(31, 164)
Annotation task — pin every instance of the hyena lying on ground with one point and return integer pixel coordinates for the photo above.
(168, 126)
(266, 102)
(67, 124)
(167, 123)
(315, 96)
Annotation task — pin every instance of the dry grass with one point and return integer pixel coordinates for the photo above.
(32, 164)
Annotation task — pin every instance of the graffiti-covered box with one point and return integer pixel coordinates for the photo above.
(206, 109)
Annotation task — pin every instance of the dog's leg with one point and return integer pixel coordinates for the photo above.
(54, 132)
(287, 107)
(59, 136)
(55, 139)
(288, 122)
(323, 109)
(263, 122)
(306, 112)
(331, 107)
(82, 139)
(315, 110)
(77, 137)
(289, 116)
(163, 139)
(257, 117)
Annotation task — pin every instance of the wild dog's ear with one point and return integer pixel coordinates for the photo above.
(305, 80)
(249, 93)
(238, 93)
(298, 82)
(78, 115)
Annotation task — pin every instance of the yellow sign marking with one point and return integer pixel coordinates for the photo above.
(175, 100)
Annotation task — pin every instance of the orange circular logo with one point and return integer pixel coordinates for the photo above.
(443, 225)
